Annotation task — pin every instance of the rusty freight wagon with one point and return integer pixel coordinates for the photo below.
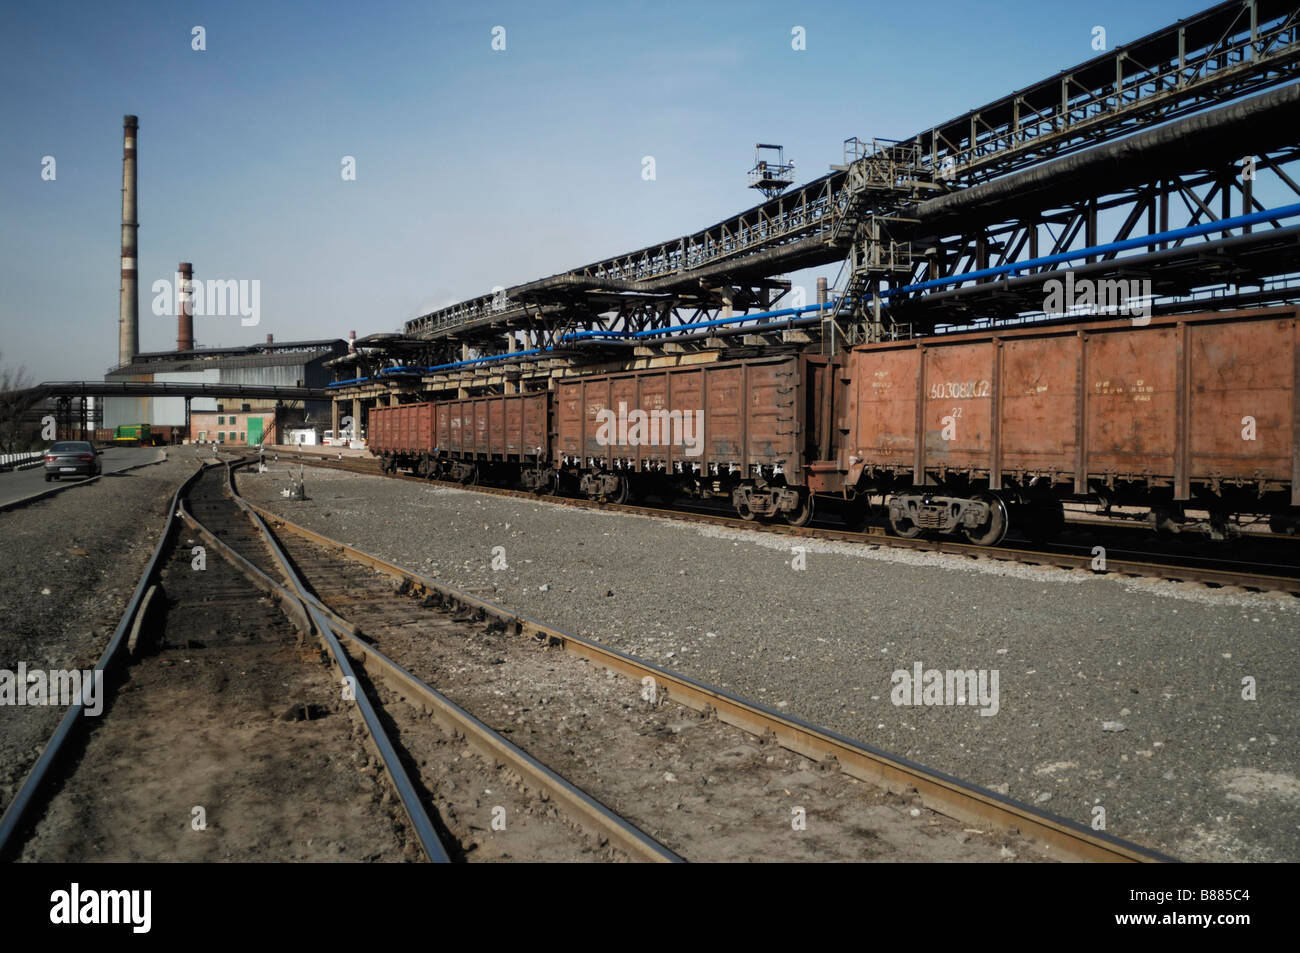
(973, 432)
(461, 439)
(700, 430)
(492, 437)
(401, 435)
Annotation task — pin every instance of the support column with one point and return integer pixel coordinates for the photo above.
(512, 387)
(829, 343)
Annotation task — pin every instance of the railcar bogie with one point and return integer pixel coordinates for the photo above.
(1189, 422)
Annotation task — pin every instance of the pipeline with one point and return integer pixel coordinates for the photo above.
(1177, 234)
(1011, 269)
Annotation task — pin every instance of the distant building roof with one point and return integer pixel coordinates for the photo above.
(290, 353)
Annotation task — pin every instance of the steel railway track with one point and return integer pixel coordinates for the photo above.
(212, 615)
(944, 794)
(26, 801)
(263, 560)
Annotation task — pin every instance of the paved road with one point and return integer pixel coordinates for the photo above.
(17, 484)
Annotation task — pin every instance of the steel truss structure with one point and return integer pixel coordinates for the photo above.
(1188, 125)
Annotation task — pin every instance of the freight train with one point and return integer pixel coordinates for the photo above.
(1193, 419)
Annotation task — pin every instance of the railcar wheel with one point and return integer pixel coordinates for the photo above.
(744, 511)
(804, 514)
(621, 494)
(995, 527)
(471, 476)
(903, 527)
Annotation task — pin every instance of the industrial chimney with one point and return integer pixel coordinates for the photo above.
(184, 307)
(128, 322)
(352, 341)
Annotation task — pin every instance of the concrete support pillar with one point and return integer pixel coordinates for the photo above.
(334, 417)
(511, 387)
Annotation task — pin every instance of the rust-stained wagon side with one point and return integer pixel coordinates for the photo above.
(457, 438)
(399, 432)
(487, 433)
(705, 429)
(1183, 412)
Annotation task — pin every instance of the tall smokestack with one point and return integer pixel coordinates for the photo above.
(185, 308)
(128, 322)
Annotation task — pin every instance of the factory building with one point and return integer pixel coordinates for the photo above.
(290, 364)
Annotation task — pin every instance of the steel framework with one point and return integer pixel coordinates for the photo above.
(1096, 154)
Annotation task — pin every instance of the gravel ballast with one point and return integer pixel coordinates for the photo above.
(1114, 695)
(68, 566)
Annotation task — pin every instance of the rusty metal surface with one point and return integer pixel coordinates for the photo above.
(503, 427)
(748, 413)
(406, 428)
(1180, 402)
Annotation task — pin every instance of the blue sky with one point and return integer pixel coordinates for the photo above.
(475, 168)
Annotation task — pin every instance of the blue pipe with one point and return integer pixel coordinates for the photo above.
(1193, 231)
(735, 319)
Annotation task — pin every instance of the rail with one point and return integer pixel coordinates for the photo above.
(34, 784)
(942, 792)
(333, 627)
(305, 616)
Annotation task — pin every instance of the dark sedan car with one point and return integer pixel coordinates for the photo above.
(71, 458)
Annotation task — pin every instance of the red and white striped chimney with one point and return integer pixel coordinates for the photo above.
(128, 319)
